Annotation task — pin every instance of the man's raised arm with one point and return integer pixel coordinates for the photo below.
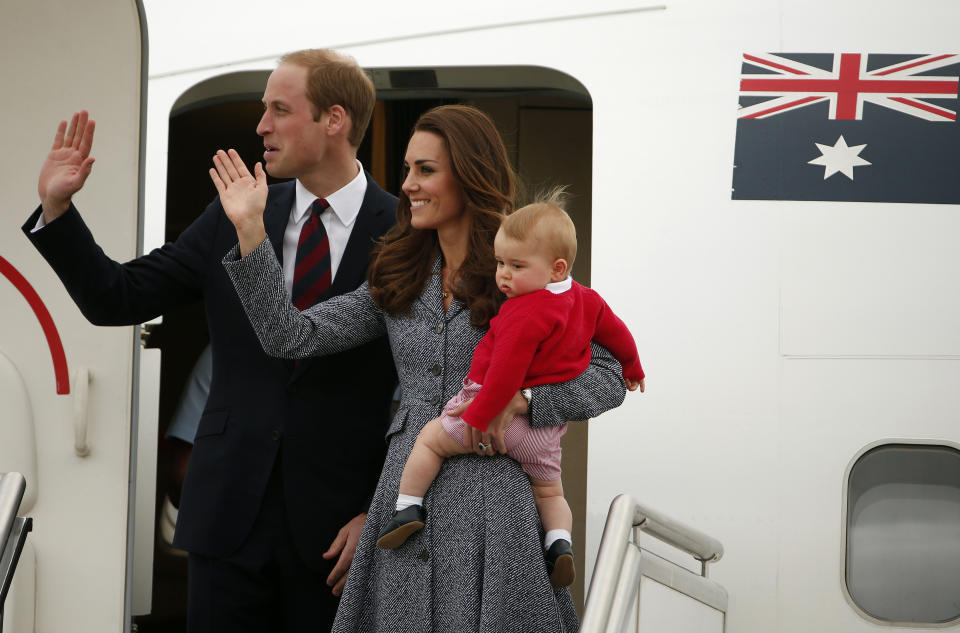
(67, 166)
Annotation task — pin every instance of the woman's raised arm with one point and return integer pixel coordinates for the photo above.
(340, 323)
(243, 196)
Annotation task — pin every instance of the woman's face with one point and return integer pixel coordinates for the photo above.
(436, 198)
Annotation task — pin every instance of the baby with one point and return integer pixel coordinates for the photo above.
(541, 335)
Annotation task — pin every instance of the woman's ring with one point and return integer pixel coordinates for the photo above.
(482, 446)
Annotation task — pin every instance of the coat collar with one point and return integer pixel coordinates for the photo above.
(432, 296)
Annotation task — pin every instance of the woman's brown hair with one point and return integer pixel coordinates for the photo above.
(402, 263)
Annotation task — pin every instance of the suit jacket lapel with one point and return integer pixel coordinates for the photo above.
(275, 217)
(432, 295)
(276, 214)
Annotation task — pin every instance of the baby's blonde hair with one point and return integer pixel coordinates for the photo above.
(546, 221)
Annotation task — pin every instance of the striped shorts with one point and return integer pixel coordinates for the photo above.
(537, 450)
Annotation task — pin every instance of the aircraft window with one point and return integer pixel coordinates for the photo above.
(903, 533)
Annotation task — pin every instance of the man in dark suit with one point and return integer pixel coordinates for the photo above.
(286, 455)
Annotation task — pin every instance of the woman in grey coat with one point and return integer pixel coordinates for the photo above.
(477, 565)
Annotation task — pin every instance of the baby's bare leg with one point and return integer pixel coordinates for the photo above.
(557, 520)
(432, 447)
(553, 508)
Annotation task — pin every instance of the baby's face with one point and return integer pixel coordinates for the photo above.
(521, 266)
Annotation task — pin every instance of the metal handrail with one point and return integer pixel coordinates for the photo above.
(702, 547)
(614, 565)
(12, 487)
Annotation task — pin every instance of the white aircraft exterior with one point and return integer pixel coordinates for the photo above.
(783, 340)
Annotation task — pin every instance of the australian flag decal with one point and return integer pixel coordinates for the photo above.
(848, 126)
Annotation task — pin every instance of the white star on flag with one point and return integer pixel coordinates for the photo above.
(839, 158)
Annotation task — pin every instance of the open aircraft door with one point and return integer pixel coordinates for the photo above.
(73, 396)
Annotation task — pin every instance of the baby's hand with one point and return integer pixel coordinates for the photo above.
(633, 384)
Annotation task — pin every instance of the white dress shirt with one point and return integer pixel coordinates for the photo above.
(338, 221)
(559, 287)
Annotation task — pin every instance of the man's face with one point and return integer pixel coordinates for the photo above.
(294, 143)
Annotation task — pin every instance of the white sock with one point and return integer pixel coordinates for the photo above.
(555, 535)
(405, 501)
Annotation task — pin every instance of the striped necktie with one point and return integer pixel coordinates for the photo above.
(311, 277)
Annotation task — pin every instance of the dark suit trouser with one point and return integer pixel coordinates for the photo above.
(264, 586)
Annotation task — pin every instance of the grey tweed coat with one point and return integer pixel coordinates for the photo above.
(478, 564)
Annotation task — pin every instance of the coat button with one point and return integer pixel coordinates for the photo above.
(439, 327)
(435, 400)
(436, 369)
(275, 435)
(424, 555)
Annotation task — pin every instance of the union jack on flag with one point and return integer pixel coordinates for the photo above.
(848, 126)
(848, 85)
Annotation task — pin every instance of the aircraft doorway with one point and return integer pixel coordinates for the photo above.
(546, 120)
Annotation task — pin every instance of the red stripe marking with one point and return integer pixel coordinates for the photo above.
(308, 229)
(764, 62)
(914, 64)
(785, 84)
(849, 93)
(305, 300)
(308, 262)
(947, 114)
(849, 86)
(784, 106)
(46, 322)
